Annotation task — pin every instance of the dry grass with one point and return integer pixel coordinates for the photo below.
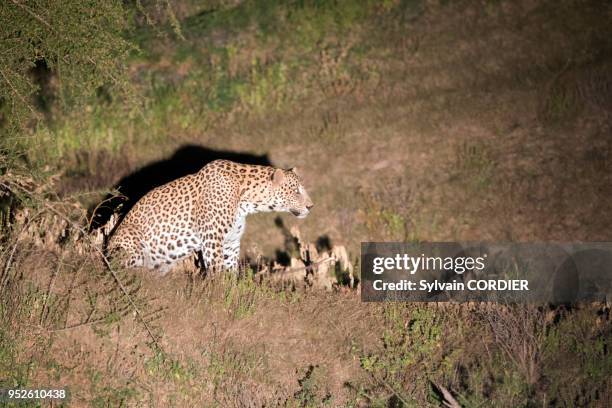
(425, 128)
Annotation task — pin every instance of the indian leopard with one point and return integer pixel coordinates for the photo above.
(205, 212)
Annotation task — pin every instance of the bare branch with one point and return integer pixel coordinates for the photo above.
(136, 309)
(30, 12)
(10, 84)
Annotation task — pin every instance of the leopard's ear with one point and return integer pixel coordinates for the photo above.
(294, 170)
(278, 176)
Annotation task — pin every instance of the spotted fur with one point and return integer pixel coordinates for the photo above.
(206, 212)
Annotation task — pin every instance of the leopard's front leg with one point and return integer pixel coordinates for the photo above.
(212, 254)
(231, 242)
(216, 218)
(231, 255)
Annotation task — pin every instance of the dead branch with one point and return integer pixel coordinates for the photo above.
(105, 260)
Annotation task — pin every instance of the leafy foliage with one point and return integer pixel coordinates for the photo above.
(75, 48)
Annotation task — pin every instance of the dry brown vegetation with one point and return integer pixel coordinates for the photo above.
(424, 120)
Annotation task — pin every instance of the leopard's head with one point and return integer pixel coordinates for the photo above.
(288, 193)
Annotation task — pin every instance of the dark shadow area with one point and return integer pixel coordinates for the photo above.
(291, 247)
(188, 159)
(323, 243)
(583, 276)
(45, 96)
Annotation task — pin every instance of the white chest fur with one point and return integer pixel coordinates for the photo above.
(237, 229)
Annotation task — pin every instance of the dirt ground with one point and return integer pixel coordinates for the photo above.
(475, 121)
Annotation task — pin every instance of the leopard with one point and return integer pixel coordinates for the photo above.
(204, 215)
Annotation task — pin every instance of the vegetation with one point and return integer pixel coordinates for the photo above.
(406, 123)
